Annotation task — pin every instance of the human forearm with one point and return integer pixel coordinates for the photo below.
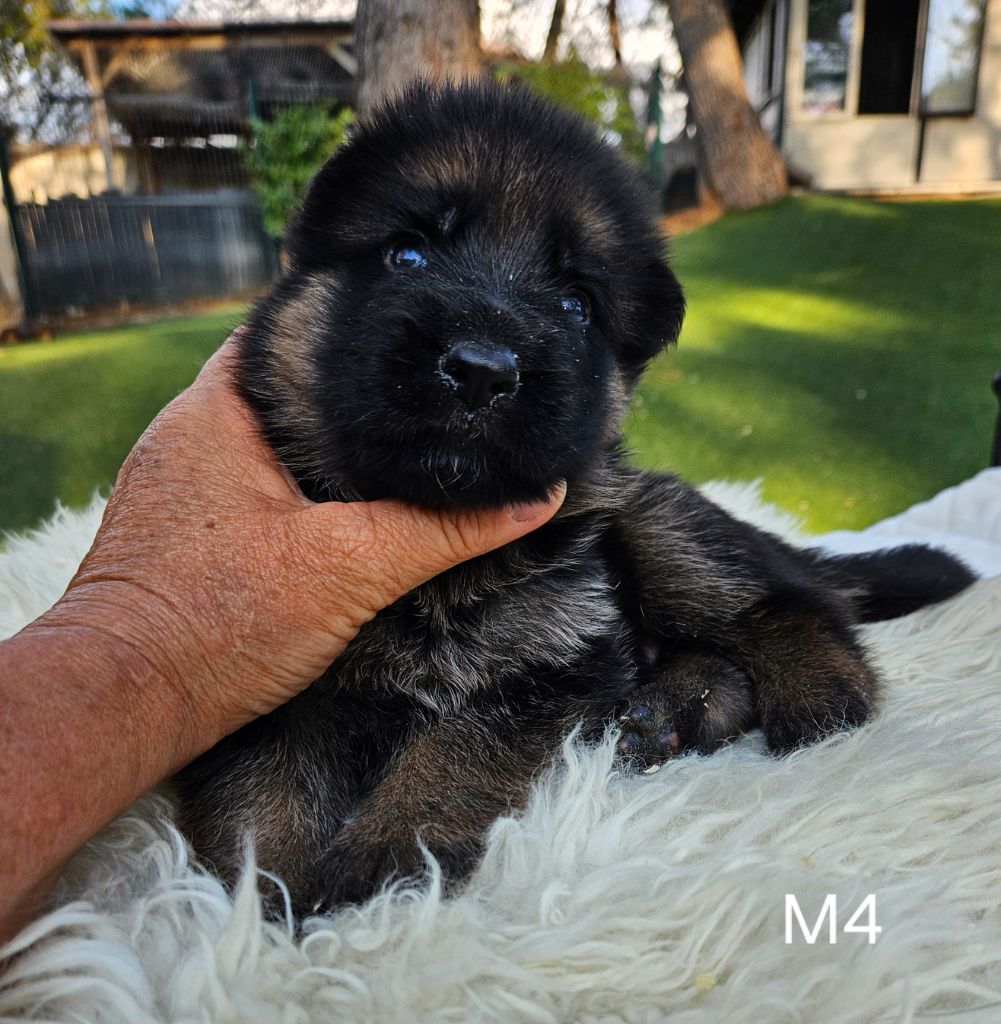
(87, 726)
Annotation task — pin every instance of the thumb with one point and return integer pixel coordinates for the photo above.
(399, 546)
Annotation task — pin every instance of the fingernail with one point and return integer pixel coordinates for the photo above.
(525, 512)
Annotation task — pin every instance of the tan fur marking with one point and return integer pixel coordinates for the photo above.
(294, 343)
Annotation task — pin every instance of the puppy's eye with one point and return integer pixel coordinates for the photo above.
(407, 254)
(576, 307)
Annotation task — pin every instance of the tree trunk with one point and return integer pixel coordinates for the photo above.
(397, 41)
(742, 165)
(613, 32)
(555, 27)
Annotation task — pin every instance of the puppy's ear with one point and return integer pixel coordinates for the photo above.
(306, 240)
(320, 231)
(658, 310)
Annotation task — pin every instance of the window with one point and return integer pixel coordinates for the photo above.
(762, 72)
(952, 56)
(826, 55)
(771, 23)
(889, 41)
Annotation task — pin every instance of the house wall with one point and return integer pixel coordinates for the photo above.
(755, 64)
(78, 170)
(875, 151)
(841, 150)
(764, 90)
(70, 170)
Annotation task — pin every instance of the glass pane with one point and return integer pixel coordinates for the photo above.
(825, 57)
(889, 41)
(952, 55)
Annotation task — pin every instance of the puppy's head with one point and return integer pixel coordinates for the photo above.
(475, 283)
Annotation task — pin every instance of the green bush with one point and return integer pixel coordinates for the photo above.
(596, 96)
(285, 152)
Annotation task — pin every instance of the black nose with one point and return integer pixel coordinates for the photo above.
(480, 372)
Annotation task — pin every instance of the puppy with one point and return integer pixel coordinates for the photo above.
(476, 283)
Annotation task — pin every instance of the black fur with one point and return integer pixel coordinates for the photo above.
(640, 599)
(895, 582)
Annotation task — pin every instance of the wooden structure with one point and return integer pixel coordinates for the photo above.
(178, 79)
(152, 203)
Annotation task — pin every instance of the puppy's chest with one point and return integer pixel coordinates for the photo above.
(454, 636)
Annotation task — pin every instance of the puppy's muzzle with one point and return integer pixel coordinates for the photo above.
(479, 372)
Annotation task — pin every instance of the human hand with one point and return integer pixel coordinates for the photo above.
(227, 587)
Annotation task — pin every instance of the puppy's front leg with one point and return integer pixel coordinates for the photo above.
(445, 788)
(699, 574)
(287, 781)
(810, 671)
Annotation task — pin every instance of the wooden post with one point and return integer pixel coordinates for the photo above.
(996, 449)
(26, 298)
(346, 61)
(102, 127)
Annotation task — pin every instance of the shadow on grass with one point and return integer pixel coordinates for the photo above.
(840, 348)
(29, 479)
(848, 432)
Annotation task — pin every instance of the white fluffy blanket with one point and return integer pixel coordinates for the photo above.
(611, 899)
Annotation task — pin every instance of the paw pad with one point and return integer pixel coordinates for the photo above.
(648, 737)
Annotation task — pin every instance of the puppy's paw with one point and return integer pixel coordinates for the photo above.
(647, 736)
(355, 870)
(822, 704)
(698, 702)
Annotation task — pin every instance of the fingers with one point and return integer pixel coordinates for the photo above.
(403, 546)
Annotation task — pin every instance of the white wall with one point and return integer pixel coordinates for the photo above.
(876, 151)
(755, 56)
(70, 170)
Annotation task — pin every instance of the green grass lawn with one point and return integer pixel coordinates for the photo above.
(70, 409)
(840, 349)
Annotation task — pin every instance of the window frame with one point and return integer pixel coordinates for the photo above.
(850, 107)
(918, 107)
(853, 77)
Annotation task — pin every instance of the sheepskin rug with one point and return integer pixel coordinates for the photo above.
(611, 898)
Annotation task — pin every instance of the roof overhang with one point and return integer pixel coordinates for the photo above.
(73, 30)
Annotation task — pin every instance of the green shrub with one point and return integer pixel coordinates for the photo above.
(594, 95)
(285, 152)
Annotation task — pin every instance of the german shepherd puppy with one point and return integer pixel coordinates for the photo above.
(476, 283)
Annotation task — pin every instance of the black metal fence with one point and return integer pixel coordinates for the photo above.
(110, 249)
(140, 220)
